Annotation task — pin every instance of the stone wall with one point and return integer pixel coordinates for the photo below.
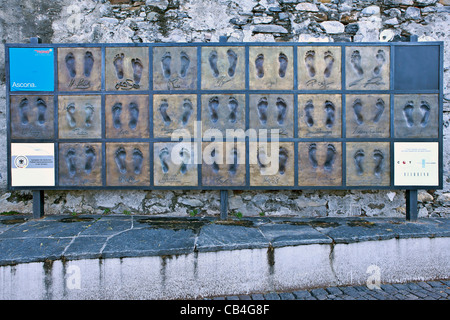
(127, 21)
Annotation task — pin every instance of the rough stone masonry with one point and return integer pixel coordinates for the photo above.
(128, 21)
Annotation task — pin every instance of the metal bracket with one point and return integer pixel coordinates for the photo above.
(35, 40)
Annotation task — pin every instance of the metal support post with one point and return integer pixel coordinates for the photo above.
(38, 204)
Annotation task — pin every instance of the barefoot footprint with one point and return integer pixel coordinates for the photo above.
(330, 111)
(90, 157)
(23, 111)
(213, 106)
(309, 108)
(330, 157)
(381, 59)
(213, 57)
(116, 112)
(262, 110)
(138, 158)
(138, 67)
(425, 109)
(232, 105)
(283, 60)
(329, 61)
(89, 110)
(70, 115)
(282, 160)
(118, 65)
(408, 113)
(163, 111)
(42, 108)
(378, 157)
(71, 162)
(185, 159)
(309, 62)
(358, 157)
(163, 154)
(70, 64)
(165, 64)
(215, 166)
(261, 154)
(120, 159)
(233, 167)
(282, 110)
(185, 62)
(88, 63)
(312, 155)
(232, 61)
(357, 108)
(133, 110)
(355, 60)
(187, 111)
(259, 64)
(379, 107)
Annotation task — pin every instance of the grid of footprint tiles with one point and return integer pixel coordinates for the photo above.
(112, 111)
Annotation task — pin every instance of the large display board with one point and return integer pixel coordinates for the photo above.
(337, 116)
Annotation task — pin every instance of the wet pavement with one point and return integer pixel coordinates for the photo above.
(23, 239)
(72, 237)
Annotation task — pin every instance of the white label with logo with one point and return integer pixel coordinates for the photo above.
(416, 164)
(32, 164)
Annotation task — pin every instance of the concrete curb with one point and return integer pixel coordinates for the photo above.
(271, 255)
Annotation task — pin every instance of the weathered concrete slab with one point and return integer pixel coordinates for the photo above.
(216, 237)
(142, 257)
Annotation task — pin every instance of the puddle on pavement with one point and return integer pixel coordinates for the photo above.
(174, 224)
(13, 221)
(76, 219)
(361, 223)
(315, 224)
(241, 223)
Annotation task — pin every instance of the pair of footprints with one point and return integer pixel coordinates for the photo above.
(185, 116)
(185, 159)
(330, 111)
(359, 161)
(71, 119)
(310, 62)
(133, 110)
(355, 60)
(89, 160)
(358, 106)
(24, 111)
(282, 67)
(166, 62)
(424, 109)
(329, 158)
(232, 61)
(283, 156)
(88, 63)
(263, 105)
(213, 107)
(185, 156)
(136, 65)
(120, 158)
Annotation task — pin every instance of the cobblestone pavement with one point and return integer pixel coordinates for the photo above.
(424, 290)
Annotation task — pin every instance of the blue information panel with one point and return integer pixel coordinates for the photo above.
(31, 69)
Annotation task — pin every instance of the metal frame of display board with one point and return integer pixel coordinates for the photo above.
(411, 191)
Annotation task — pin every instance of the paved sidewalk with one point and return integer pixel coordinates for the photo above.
(151, 257)
(24, 240)
(423, 290)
